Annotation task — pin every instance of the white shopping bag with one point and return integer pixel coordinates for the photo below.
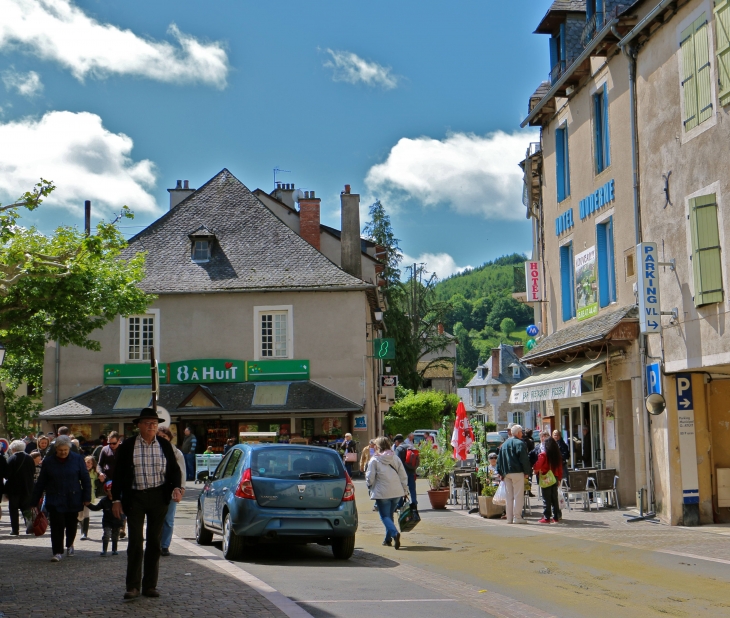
(500, 498)
(561, 499)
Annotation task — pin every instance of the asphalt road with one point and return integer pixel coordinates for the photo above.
(467, 566)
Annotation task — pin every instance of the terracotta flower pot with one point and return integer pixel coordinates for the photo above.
(489, 509)
(438, 498)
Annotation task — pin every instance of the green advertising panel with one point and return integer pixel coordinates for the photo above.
(137, 373)
(586, 284)
(384, 348)
(209, 371)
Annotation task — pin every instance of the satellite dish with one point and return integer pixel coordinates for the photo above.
(297, 195)
(164, 415)
(655, 404)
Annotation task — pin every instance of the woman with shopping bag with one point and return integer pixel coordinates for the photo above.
(549, 467)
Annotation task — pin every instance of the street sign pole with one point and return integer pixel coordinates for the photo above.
(688, 450)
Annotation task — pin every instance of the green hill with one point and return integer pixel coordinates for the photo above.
(482, 307)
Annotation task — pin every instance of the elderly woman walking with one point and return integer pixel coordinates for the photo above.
(19, 474)
(387, 482)
(65, 480)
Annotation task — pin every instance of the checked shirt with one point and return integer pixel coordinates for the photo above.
(150, 465)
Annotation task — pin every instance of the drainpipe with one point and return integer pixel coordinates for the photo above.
(57, 373)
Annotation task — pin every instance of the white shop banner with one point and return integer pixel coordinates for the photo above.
(546, 392)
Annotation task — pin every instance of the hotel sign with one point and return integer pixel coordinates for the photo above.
(562, 389)
(533, 281)
(648, 282)
(598, 199)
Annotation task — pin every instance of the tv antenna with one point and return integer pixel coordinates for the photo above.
(276, 169)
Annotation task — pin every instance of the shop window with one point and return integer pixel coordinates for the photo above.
(602, 150)
(706, 252)
(696, 74)
(567, 282)
(606, 266)
(562, 163)
(597, 382)
(274, 327)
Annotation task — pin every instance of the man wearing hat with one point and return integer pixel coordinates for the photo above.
(146, 478)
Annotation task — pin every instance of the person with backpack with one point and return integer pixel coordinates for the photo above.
(550, 468)
(410, 457)
(387, 483)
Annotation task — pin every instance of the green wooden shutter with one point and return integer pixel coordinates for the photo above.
(704, 69)
(706, 258)
(689, 78)
(722, 28)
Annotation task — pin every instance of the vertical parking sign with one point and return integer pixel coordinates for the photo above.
(650, 312)
(687, 444)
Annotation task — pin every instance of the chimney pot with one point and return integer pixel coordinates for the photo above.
(179, 184)
(306, 195)
(292, 186)
(186, 184)
(347, 189)
(311, 194)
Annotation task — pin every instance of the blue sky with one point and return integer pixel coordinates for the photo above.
(415, 103)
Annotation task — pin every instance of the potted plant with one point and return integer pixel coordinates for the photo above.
(486, 507)
(436, 466)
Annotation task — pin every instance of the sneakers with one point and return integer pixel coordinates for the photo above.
(388, 543)
(57, 558)
(83, 537)
(397, 541)
(13, 533)
(70, 551)
(555, 521)
(103, 554)
(115, 553)
(544, 520)
(520, 520)
(164, 551)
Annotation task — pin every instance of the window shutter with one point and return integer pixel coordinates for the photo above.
(566, 161)
(606, 139)
(598, 130)
(722, 28)
(566, 281)
(704, 70)
(560, 162)
(689, 81)
(706, 258)
(604, 294)
(611, 260)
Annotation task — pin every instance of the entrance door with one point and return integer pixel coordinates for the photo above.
(570, 429)
(596, 433)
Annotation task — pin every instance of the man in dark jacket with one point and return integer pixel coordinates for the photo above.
(189, 446)
(401, 449)
(513, 466)
(19, 475)
(146, 478)
(564, 451)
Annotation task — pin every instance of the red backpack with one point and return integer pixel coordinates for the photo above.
(413, 459)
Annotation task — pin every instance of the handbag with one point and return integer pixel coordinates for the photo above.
(500, 497)
(408, 518)
(350, 457)
(40, 524)
(547, 480)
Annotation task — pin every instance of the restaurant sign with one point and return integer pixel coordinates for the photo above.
(562, 389)
(209, 371)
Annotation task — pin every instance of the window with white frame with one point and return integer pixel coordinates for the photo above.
(518, 418)
(480, 397)
(273, 330)
(140, 337)
(201, 250)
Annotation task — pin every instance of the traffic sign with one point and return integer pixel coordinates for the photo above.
(654, 379)
(650, 312)
(687, 444)
(532, 330)
(685, 400)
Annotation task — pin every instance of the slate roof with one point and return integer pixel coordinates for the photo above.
(556, 14)
(507, 357)
(236, 400)
(253, 250)
(582, 333)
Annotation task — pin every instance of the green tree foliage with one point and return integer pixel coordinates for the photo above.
(58, 287)
(467, 354)
(506, 326)
(508, 307)
(496, 276)
(423, 410)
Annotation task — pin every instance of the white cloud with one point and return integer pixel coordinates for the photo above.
(472, 174)
(59, 31)
(349, 67)
(83, 159)
(27, 84)
(440, 263)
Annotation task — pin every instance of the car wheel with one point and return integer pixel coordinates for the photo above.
(202, 535)
(232, 543)
(343, 547)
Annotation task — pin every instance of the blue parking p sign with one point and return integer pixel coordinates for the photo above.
(654, 379)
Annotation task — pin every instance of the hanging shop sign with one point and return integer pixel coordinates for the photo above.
(361, 422)
(601, 197)
(209, 371)
(533, 281)
(586, 284)
(384, 348)
(533, 331)
(388, 380)
(648, 282)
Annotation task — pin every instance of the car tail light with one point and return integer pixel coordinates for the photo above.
(349, 494)
(245, 487)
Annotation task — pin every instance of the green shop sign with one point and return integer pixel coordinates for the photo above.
(209, 371)
(384, 348)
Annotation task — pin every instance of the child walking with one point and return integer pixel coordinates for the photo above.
(109, 523)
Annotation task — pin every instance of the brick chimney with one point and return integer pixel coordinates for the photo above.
(441, 328)
(309, 218)
(180, 192)
(495, 362)
(350, 245)
(519, 350)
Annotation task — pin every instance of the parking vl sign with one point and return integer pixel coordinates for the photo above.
(648, 281)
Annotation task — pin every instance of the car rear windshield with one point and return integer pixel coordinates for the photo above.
(294, 463)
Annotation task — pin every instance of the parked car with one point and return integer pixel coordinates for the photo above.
(494, 441)
(420, 434)
(278, 493)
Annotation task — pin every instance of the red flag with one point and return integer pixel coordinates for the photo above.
(463, 435)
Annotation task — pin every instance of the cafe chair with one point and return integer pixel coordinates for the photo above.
(579, 484)
(606, 481)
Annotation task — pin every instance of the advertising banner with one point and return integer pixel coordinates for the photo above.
(586, 284)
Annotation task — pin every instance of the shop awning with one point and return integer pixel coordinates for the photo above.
(558, 382)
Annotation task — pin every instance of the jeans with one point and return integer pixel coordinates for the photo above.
(387, 507)
(110, 534)
(190, 466)
(152, 505)
(60, 523)
(515, 486)
(168, 525)
(551, 501)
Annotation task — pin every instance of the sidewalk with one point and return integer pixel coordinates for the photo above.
(191, 583)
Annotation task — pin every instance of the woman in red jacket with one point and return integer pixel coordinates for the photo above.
(550, 460)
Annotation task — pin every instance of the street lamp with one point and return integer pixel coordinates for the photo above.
(379, 315)
(2, 354)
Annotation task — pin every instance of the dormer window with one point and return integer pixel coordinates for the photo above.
(202, 241)
(515, 371)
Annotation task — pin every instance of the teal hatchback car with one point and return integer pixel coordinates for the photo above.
(278, 493)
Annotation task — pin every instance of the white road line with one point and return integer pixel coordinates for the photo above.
(284, 603)
(381, 601)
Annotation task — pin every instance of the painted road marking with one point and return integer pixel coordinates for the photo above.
(381, 601)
